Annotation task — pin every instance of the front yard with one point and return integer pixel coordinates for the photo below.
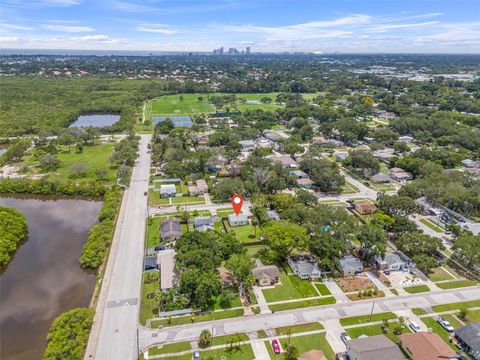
(372, 330)
(291, 288)
(304, 344)
(352, 284)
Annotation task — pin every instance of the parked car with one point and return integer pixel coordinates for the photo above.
(196, 355)
(366, 183)
(386, 272)
(413, 325)
(445, 324)
(145, 193)
(345, 337)
(276, 346)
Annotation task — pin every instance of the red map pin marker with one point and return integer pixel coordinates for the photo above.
(237, 202)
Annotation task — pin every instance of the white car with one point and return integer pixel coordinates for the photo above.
(345, 337)
(445, 324)
(413, 325)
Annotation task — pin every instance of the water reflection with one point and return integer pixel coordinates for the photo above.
(44, 278)
(96, 120)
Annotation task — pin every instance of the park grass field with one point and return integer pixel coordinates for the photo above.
(93, 157)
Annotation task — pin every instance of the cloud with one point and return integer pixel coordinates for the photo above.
(130, 6)
(9, 39)
(385, 28)
(59, 2)
(6, 26)
(68, 28)
(158, 28)
(100, 39)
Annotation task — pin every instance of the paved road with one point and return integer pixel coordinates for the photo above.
(114, 333)
(149, 337)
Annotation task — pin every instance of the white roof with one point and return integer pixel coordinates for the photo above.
(166, 262)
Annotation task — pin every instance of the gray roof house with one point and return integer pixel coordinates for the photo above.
(203, 223)
(373, 348)
(273, 215)
(170, 230)
(166, 263)
(350, 265)
(304, 266)
(394, 261)
(469, 163)
(380, 178)
(266, 275)
(299, 174)
(237, 220)
(247, 145)
(469, 338)
(167, 190)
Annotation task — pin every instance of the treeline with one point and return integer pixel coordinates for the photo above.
(68, 335)
(101, 234)
(52, 187)
(34, 105)
(13, 229)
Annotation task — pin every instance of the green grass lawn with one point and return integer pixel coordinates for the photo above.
(173, 105)
(298, 328)
(453, 320)
(457, 284)
(291, 288)
(244, 233)
(431, 225)
(148, 307)
(322, 289)
(473, 316)
(431, 323)
(235, 302)
(252, 250)
(243, 352)
(354, 320)
(373, 330)
(182, 320)
(419, 311)
(170, 348)
(154, 198)
(226, 339)
(416, 289)
(439, 274)
(304, 344)
(303, 303)
(93, 157)
(153, 231)
(456, 306)
(188, 200)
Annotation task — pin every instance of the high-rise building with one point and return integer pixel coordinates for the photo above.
(247, 50)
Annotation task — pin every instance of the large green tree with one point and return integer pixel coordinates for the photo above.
(283, 237)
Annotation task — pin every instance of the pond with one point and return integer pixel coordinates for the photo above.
(44, 279)
(95, 120)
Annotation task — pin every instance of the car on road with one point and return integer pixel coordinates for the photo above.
(145, 193)
(386, 272)
(366, 183)
(445, 324)
(276, 346)
(196, 355)
(345, 337)
(413, 325)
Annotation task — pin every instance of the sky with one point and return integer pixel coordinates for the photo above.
(322, 26)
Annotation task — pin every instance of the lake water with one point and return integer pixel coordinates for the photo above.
(44, 278)
(95, 120)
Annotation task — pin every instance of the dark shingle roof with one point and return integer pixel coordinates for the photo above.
(470, 335)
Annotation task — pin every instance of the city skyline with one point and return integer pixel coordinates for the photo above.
(264, 26)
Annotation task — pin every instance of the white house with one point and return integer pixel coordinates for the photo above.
(237, 220)
(168, 190)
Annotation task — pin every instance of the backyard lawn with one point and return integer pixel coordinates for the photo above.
(153, 231)
(304, 344)
(291, 288)
(245, 233)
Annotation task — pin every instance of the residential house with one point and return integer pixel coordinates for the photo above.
(299, 174)
(202, 185)
(305, 183)
(273, 215)
(405, 139)
(399, 174)
(469, 163)
(270, 135)
(266, 275)
(365, 207)
(373, 348)
(304, 266)
(426, 346)
(380, 178)
(285, 160)
(200, 188)
(350, 265)
(166, 264)
(203, 223)
(469, 339)
(168, 190)
(393, 261)
(237, 220)
(341, 157)
(247, 145)
(170, 230)
(385, 155)
(319, 140)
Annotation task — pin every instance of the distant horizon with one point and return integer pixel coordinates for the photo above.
(270, 26)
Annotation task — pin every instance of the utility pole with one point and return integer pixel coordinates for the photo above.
(371, 313)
